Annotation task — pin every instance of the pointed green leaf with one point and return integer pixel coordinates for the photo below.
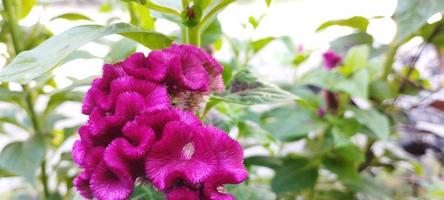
(247, 89)
(42, 59)
(23, 158)
(411, 15)
(357, 22)
(378, 123)
(258, 45)
(72, 17)
(295, 175)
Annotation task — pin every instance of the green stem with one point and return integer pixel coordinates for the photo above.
(36, 126)
(13, 25)
(390, 59)
(15, 35)
(194, 33)
(162, 9)
(194, 36)
(133, 18)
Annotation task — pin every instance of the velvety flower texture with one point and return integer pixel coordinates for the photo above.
(331, 59)
(140, 128)
(188, 73)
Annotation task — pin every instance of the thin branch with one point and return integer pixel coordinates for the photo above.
(415, 59)
(163, 9)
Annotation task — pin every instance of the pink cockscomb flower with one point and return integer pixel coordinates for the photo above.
(331, 59)
(197, 160)
(140, 128)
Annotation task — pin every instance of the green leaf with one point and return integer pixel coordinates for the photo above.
(357, 22)
(296, 175)
(42, 59)
(212, 33)
(265, 161)
(290, 123)
(381, 90)
(257, 45)
(146, 192)
(79, 54)
(378, 123)
(253, 133)
(344, 43)
(248, 90)
(12, 97)
(25, 7)
(268, 2)
(357, 86)
(253, 21)
(61, 97)
(411, 15)
(23, 157)
(250, 192)
(356, 58)
(141, 2)
(72, 17)
(344, 162)
(141, 16)
(12, 116)
(343, 130)
(368, 187)
(120, 50)
(203, 3)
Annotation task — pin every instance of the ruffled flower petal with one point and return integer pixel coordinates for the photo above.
(181, 154)
(152, 68)
(159, 118)
(229, 155)
(189, 73)
(107, 185)
(81, 183)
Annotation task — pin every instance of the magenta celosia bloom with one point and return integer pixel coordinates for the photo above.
(159, 118)
(153, 68)
(182, 193)
(331, 59)
(201, 159)
(139, 128)
(187, 59)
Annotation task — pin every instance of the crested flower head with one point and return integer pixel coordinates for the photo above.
(140, 127)
(331, 59)
(199, 159)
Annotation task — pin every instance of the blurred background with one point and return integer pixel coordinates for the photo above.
(282, 44)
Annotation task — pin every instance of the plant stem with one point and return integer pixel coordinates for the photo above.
(194, 33)
(12, 22)
(369, 156)
(390, 59)
(162, 9)
(194, 36)
(416, 57)
(15, 31)
(36, 126)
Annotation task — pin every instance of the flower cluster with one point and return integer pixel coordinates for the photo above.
(140, 128)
